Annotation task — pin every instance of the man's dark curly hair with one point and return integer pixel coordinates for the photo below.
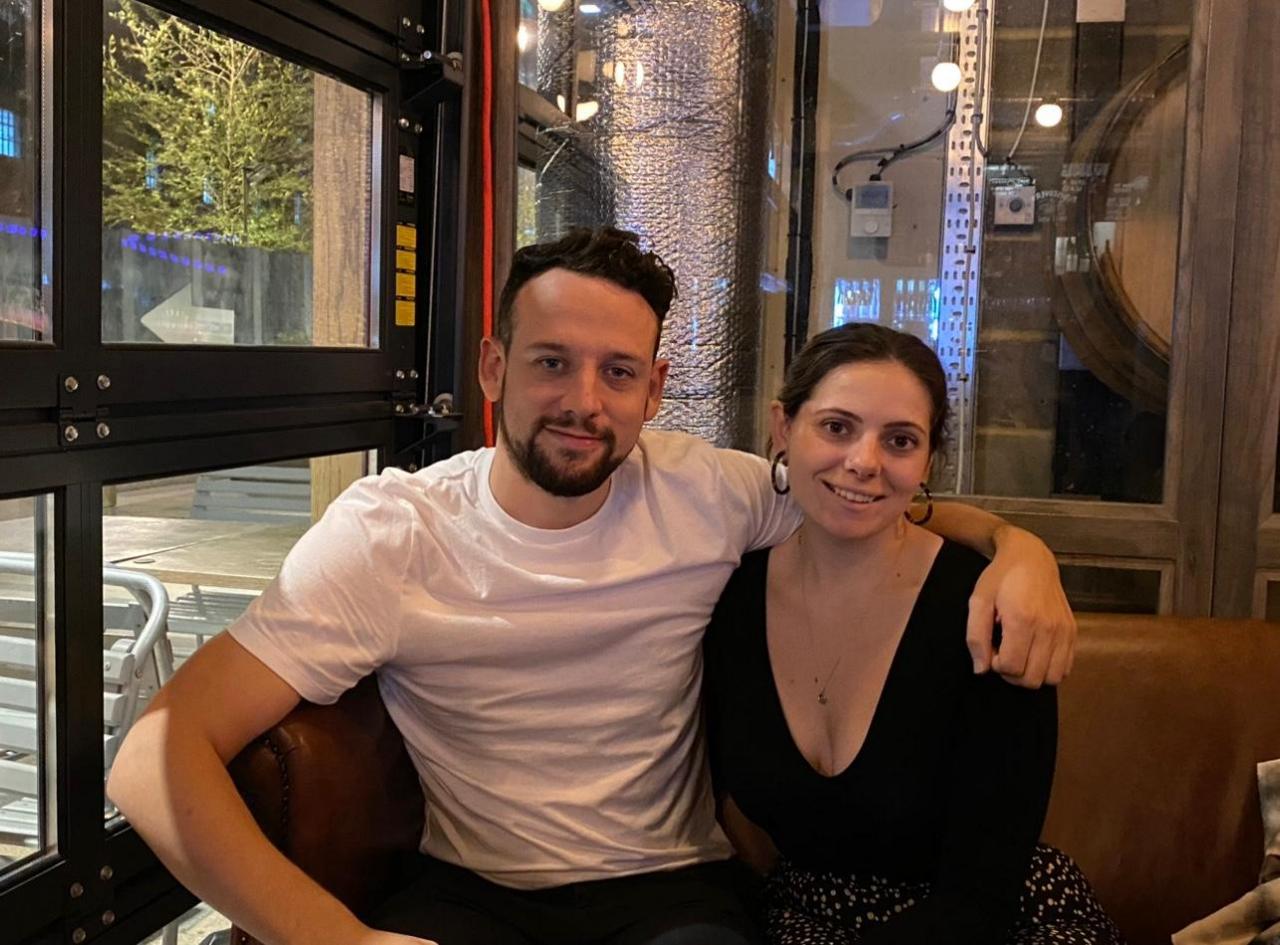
(607, 253)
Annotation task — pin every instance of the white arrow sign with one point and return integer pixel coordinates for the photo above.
(178, 322)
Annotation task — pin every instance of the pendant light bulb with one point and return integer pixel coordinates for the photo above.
(552, 6)
(957, 6)
(946, 77)
(1049, 115)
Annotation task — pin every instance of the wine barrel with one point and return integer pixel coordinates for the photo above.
(1119, 298)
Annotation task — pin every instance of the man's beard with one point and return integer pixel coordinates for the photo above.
(536, 463)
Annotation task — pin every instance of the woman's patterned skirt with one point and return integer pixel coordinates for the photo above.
(806, 907)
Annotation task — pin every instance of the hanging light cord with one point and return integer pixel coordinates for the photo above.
(1035, 75)
(887, 156)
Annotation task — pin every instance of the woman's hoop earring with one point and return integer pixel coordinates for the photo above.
(928, 511)
(773, 474)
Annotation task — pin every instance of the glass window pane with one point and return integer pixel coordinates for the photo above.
(184, 556)
(526, 206)
(527, 43)
(24, 202)
(238, 192)
(26, 695)
(545, 51)
(1037, 257)
(1080, 249)
(1110, 589)
(199, 925)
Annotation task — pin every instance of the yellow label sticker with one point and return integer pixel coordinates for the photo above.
(406, 284)
(406, 261)
(406, 236)
(405, 312)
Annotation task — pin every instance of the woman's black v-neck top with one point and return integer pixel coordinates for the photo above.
(950, 785)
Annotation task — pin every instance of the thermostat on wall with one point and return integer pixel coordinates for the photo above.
(872, 214)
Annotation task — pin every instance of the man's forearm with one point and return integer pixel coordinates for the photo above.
(970, 526)
(176, 792)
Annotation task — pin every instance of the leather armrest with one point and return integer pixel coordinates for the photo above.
(333, 788)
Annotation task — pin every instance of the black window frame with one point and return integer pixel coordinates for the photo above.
(174, 410)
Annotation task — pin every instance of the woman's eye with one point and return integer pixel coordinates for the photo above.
(834, 427)
(902, 441)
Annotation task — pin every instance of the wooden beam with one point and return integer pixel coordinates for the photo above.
(1253, 374)
(1215, 120)
(341, 198)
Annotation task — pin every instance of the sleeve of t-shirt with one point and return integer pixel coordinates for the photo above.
(757, 513)
(997, 780)
(332, 615)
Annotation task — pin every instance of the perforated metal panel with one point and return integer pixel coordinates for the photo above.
(962, 240)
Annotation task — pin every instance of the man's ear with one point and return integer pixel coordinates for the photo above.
(657, 383)
(492, 368)
(779, 428)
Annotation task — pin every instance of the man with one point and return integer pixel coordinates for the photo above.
(534, 614)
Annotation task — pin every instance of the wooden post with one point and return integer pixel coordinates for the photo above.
(341, 203)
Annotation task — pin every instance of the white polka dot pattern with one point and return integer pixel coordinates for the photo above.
(808, 907)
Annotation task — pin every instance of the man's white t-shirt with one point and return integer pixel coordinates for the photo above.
(546, 682)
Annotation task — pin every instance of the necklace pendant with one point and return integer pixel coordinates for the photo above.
(822, 698)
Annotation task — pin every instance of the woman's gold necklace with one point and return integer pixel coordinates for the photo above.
(808, 621)
(808, 624)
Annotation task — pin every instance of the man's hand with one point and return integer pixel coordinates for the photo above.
(1021, 589)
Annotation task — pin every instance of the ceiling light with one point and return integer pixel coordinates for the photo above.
(619, 74)
(588, 8)
(946, 77)
(560, 102)
(585, 110)
(522, 37)
(552, 6)
(639, 74)
(957, 6)
(1049, 115)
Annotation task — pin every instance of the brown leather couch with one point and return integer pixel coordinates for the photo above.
(1162, 724)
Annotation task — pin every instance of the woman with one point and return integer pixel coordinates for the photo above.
(904, 794)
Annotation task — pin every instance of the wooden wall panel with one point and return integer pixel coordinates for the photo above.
(1197, 396)
(1253, 379)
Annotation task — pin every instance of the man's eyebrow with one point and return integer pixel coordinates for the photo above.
(894, 424)
(555, 347)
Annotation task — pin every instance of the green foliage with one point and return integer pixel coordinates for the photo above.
(218, 117)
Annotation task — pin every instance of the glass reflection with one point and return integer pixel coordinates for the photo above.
(24, 234)
(185, 556)
(237, 191)
(26, 696)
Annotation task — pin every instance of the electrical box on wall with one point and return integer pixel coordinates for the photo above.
(872, 213)
(1015, 203)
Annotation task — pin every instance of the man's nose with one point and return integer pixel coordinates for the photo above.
(583, 394)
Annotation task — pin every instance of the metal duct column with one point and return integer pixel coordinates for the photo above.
(678, 147)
